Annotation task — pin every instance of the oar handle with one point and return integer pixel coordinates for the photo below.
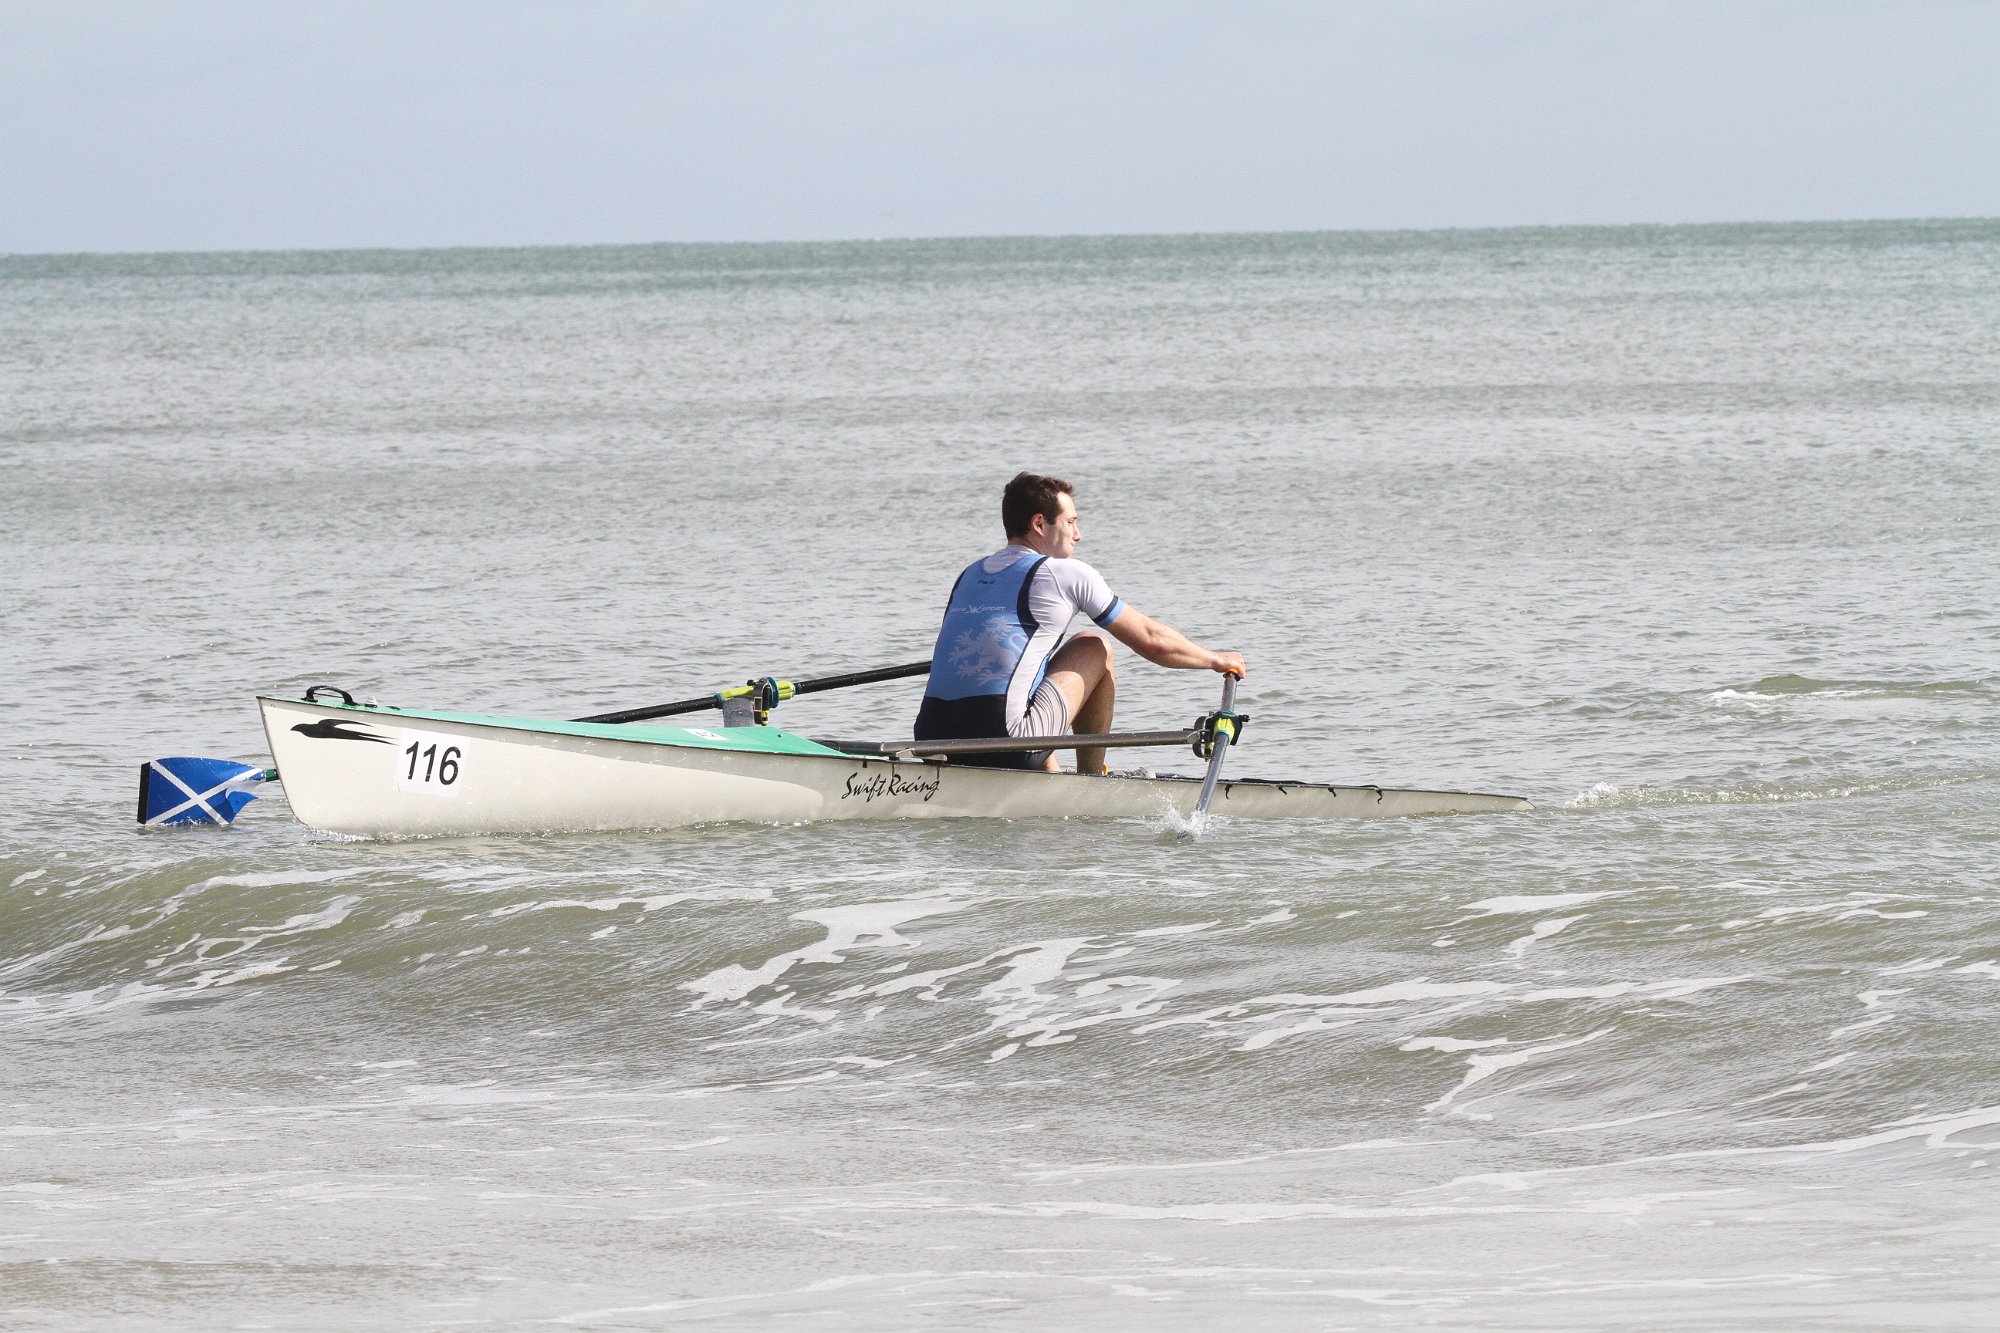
(798, 687)
(1228, 692)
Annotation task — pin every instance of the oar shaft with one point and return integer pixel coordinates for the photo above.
(1215, 756)
(799, 687)
(1011, 744)
(656, 710)
(863, 677)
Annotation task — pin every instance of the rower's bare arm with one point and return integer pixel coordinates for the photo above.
(1162, 644)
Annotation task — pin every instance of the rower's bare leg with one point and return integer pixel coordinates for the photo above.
(1083, 669)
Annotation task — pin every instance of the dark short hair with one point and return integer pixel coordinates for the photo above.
(1028, 495)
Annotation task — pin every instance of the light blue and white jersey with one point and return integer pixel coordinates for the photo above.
(1006, 615)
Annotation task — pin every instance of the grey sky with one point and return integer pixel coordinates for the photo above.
(227, 124)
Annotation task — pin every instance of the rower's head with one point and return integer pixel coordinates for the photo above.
(1040, 514)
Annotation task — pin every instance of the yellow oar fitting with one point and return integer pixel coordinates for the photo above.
(764, 695)
(1218, 723)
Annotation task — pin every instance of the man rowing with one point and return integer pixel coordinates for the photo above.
(1001, 667)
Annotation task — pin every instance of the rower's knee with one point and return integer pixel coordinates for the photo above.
(1089, 658)
(1101, 656)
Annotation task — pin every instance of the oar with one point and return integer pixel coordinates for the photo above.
(1009, 744)
(187, 790)
(779, 689)
(1221, 727)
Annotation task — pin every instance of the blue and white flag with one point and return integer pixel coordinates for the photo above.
(196, 791)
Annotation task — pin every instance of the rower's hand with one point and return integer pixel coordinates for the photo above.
(1229, 664)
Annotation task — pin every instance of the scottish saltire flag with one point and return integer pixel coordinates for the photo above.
(196, 791)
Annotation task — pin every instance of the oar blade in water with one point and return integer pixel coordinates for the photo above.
(187, 790)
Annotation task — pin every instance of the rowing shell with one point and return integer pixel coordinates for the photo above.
(391, 772)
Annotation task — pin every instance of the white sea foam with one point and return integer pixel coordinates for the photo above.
(1862, 1026)
(1272, 1035)
(1872, 998)
(1609, 795)
(1479, 1068)
(1517, 904)
(211, 979)
(276, 879)
(1670, 989)
(1029, 1016)
(1032, 967)
(1189, 929)
(1272, 1018)
(326, 918)
(864, 925)
(1420, 989)
(1449, 1044)
(645, 903)
(1621, 1122)
(1599, 793)
(1937, 1132)
(1924, 965)
(1540, 931)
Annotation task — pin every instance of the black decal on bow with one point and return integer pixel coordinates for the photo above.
(331, 729)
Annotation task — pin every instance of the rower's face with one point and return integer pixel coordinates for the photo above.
(1065, 532)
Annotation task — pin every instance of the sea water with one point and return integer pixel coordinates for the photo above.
(1691, 535)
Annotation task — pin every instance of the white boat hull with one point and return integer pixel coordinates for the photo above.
(377, 772)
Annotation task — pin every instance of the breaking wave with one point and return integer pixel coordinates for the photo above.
(1612, 796)
(1789, 686)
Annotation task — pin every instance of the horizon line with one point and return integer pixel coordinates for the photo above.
(940, 238)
